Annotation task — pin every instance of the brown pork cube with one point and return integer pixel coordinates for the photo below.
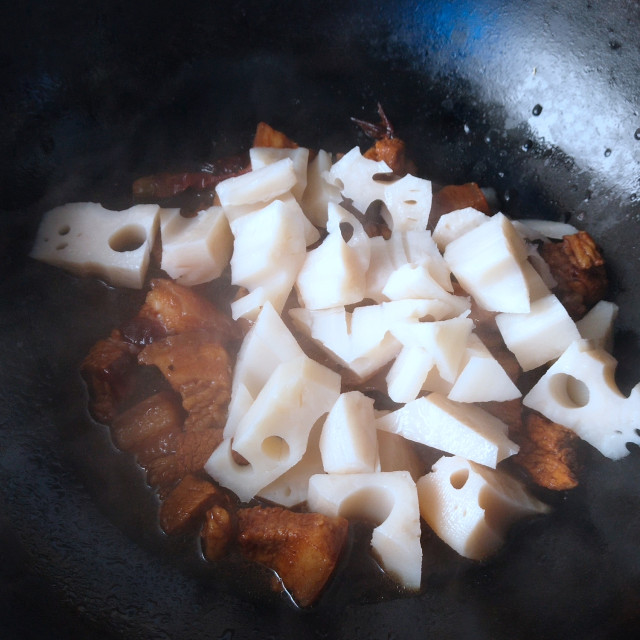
(218, 531)
(108, 370)
(267, 136)
(192, 450)
(393, 152)
(199, 369)
(454, 197)
(548, 452)
(578, 267)
(157, 446)
(184, 508)
(150, 417)
(302, 548)
(179, 309)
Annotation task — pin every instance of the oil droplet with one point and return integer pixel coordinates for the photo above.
(509, 195)
(526, 145)
(636, 135)
(607, 153)
(537, 110)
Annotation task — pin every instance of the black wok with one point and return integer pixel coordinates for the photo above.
(540, 100)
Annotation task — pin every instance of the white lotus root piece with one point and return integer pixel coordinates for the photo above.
(319, 192)
(353, 175)
(388, 499)
(195, 249)
(292, 487)
(460, 429)
(471, 507)
(444, 340)
(542, 229)
(267, 345)
(408, 202)
(269, 249)
(264, 156)
(487, 261)
(262, 185)
(539, 336)
(542, 269)
(408, 373)
(87, 239)
(334, 273)
(535, 283)
(597, 324)
(272, 436)
(359, 340)
(579, 392)
(311, 234)
(413, 281)
(420, 248)
(404, 248)
(482, 378)
(454, 224)
(348, 443)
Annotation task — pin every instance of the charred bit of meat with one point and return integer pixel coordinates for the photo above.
(166, 185)
(302, 548)
(578, 267)
(108, 370)
(184, 508)
(199, 369)
(548, 452)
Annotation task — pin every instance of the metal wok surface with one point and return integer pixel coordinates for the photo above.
(539, 100)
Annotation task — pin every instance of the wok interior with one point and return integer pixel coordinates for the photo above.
(525, 99)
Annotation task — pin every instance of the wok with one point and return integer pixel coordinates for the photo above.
(539, 100)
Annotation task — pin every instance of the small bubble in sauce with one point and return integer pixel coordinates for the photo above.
(636, 135)
(537, 110)
(526, 145)
(607, 153)
(467, 129)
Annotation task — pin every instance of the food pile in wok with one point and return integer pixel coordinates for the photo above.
(327, 339)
